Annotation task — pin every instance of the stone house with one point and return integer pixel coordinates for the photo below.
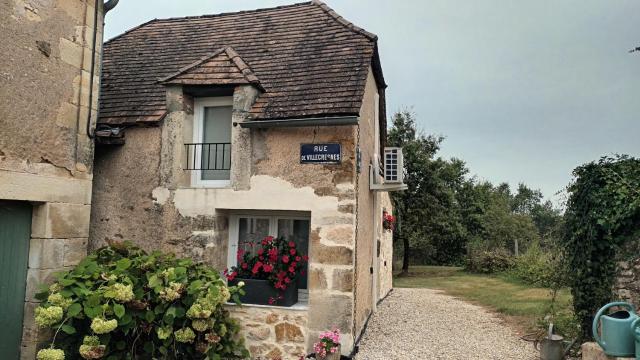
(202, 136)
(48, 102)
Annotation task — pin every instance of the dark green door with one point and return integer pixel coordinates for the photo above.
(15, 232)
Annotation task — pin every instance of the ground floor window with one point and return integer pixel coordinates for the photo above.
(247, 228)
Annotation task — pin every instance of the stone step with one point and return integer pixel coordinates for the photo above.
(593, 351)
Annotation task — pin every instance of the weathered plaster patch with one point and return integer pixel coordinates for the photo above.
(265, 193)
(160, 195)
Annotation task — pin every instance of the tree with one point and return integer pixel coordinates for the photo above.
(410, 205)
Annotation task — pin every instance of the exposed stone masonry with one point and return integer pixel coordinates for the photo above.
(627, 285)
(272, 333)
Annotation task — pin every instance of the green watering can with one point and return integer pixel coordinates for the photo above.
(616, 337)
(635, 330)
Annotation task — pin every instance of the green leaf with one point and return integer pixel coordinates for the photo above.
(67, 282)
(121, 345)
(118, 309)
(93, 300)
(180, 271)
(42, 296)
(194, 287)
(123, 264)
(93, 312)
(126, 319)
(168, 318)
(149, 316)
(154, 281)
(74, 309)
(68, 329)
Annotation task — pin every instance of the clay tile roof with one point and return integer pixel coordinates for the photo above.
(222, 67)
(307, 60)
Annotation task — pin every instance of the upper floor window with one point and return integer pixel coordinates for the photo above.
(209, 155)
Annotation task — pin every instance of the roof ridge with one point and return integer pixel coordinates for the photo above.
(346, 23)
(244, 68)
(236, 12)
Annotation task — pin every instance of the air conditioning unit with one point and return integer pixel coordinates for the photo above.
(393, 167)
(391, 176)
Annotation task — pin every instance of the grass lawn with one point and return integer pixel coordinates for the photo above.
(519, 304)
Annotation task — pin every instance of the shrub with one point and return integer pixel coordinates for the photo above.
(540, 268)
(122, 303)
(488, 261)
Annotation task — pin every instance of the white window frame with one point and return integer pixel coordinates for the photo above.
(198, 137)
(234, 231)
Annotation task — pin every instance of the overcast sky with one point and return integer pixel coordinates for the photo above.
(524, 91)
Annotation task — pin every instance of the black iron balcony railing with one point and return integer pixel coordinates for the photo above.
(208, 156)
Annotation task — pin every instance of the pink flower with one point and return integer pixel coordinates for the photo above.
(267, 268)
(285, 259)
(292, 269)
(292, 244)
(298, 258)
(292, 251)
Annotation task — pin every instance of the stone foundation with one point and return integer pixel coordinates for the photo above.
(272, 333)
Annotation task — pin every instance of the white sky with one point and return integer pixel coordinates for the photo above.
(524, 91)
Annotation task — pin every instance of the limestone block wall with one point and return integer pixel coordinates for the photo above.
(385, 260)
(627, 286)
(369, 213)
(272, 333)
(146, 197)
(45, 154)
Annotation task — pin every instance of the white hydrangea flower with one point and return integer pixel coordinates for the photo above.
(50, 354)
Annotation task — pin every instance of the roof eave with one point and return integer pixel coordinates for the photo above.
(301, 122)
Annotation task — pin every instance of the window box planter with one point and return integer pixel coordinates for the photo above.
(260, 292)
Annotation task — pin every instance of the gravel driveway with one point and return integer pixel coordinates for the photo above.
(426, 324)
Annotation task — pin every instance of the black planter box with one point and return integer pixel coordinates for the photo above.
(258, 292)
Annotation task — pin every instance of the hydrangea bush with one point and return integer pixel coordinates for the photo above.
(122, 303)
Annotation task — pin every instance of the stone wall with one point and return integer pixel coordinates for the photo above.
(627, 286)
(45, 154)
(385, 248)
(272, 333)
(369, 215)
(145, 196)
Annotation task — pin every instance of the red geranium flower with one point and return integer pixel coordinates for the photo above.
(245, 265)
(256, 267)
(292, 251)
(267, 268)
(260, 251)
(287, 280)
(298, 258)
(285, 259)
(292, 269)
(292, 244)
(305, 258)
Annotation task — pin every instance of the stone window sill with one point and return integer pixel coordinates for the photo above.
(301, 305)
